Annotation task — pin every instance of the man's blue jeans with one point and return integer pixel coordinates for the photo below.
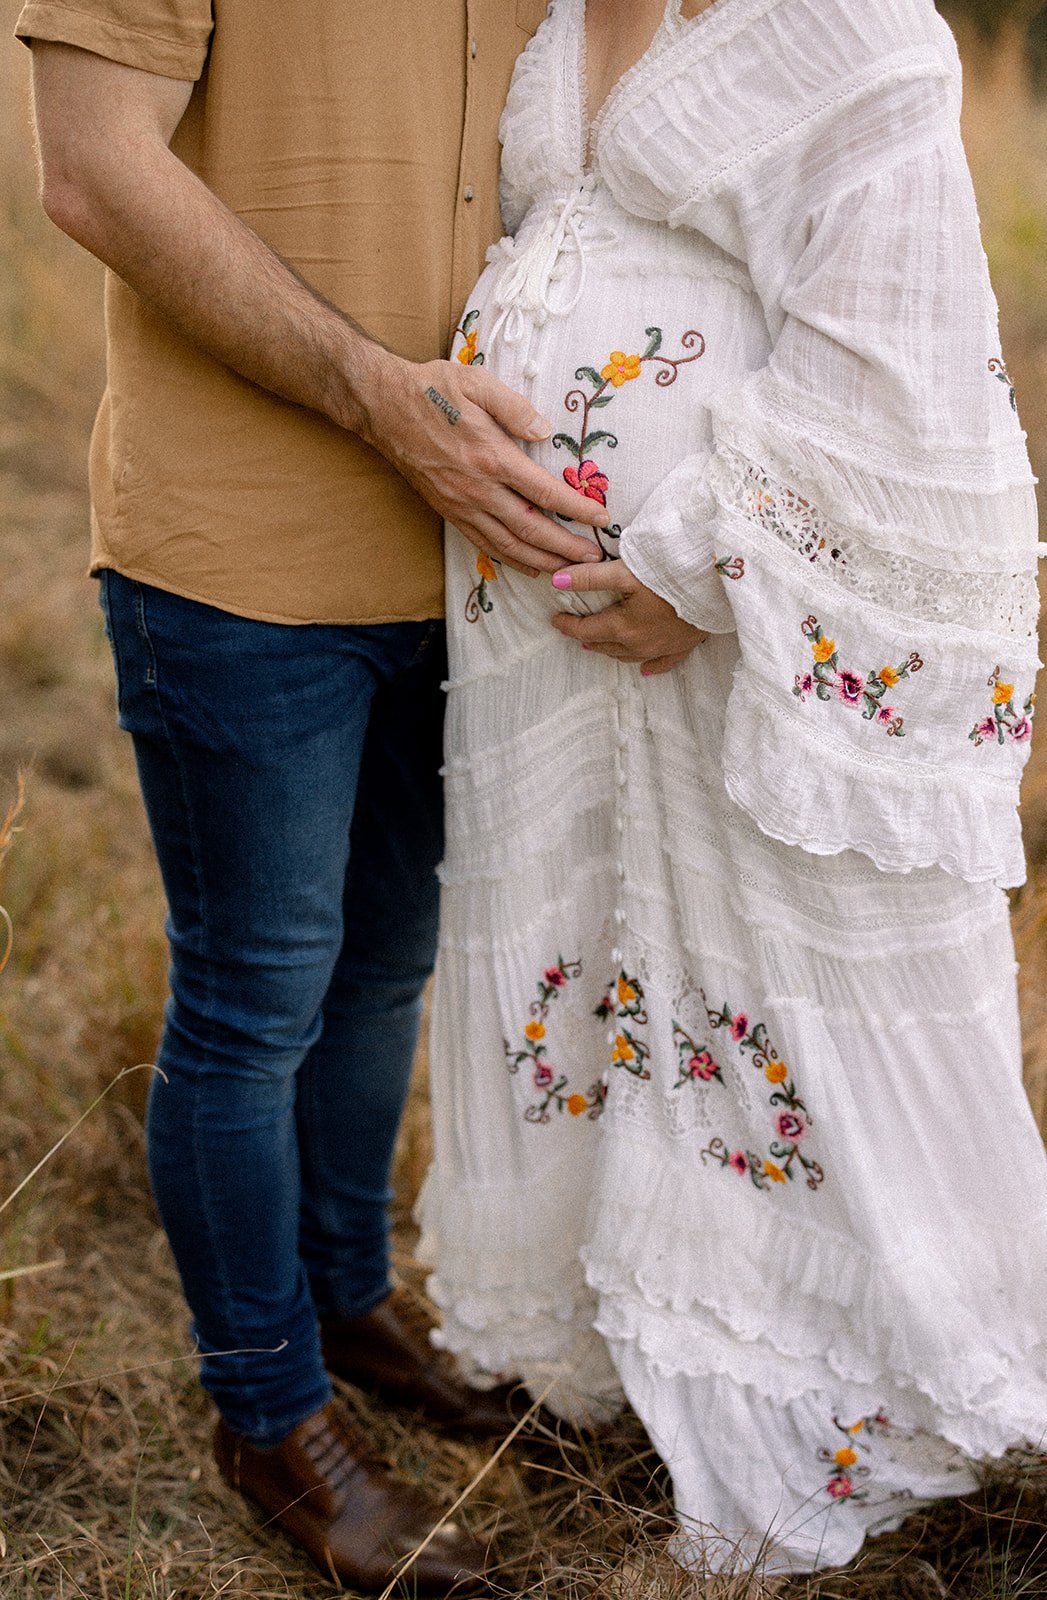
(291, 777)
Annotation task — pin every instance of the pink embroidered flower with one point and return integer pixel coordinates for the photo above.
(850, 686)
(739, 1026)
(555, 977)
(840, 1487)
(739, 1161)
(543, 1075)
(702, 1066)
(806, 684)
(587, 478)
(790, 1127)
(885, 714)
(986, 729)
(1021, 730)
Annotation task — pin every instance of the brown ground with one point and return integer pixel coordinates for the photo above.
(105, 1486)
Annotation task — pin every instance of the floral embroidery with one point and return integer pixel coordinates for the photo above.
(731, 567)
(479, 597)
(829, 680)
(624, 1001)
(792, 1120)
(588, 477)
(999, 370)
(1005, 722)
(550, 1082)
(469, 355)
(478, 600)
(696, 1064)
(846, 1467)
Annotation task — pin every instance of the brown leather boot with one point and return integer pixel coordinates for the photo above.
(354, 1518)
(388, 1350)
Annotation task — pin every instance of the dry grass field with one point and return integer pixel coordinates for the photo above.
(106, 1489)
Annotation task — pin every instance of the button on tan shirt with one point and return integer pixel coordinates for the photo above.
(360, 141)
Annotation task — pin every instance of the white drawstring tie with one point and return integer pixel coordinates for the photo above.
(523, 292)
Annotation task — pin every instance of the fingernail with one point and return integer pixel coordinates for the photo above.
(561, 580)
(538, 428)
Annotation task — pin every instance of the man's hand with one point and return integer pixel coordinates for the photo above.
(111, 181)
(446, 427)
(640, 627)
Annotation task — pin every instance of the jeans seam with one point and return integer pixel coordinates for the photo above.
(201, 909)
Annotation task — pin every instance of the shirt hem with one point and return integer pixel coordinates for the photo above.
(422, 613)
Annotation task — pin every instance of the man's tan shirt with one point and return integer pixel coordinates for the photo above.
(360, 141)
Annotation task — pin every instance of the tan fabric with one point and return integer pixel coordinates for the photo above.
(349, 137)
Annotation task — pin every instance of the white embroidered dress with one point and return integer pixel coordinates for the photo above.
(726, 1083)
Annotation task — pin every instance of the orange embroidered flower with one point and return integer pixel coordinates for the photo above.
(856, 1427)
(485, 567)
(535, 1031)
(846, 1457)
(1003, 694)
(576, 1104)
(823, 649)
(775, 1174)
(620, 369)
(467, 354)
(626, 992)
(776, 1071)
(623, 1050)
(888, 677)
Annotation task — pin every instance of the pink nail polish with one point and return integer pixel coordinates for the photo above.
(561, 580)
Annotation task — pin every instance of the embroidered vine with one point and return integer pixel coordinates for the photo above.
(786, 1157)
(469, 355)
(588, 477)
(845, 1463)
(999, 370)
(828, 680)
(624, 1003)
(551, 1084)
(731, 567)
(1006, 722)
(478, 600)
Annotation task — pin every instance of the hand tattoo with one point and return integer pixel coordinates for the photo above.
(445, 405)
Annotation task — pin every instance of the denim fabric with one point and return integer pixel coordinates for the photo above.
(291, 777)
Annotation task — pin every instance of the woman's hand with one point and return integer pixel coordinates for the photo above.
(640, 626)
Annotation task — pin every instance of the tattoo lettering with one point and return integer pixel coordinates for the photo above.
(445, 406)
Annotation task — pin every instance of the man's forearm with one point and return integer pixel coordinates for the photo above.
(111, 181)
(150, 219)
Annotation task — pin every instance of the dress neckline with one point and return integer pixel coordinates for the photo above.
(671, 27)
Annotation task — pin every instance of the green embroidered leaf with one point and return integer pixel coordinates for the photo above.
(590, 375)
(483, 599)
(822, 691)
(469, 319)
(654, 335)
(596, 438)
(568, 444)
(478, 359)
(600, 401)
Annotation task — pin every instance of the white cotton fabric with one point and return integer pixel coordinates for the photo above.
(728, 1112)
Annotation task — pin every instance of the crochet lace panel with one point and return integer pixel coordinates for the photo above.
(988, 601)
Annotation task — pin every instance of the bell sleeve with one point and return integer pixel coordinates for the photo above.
(866, 520)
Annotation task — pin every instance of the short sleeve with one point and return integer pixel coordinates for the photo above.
(168, 37)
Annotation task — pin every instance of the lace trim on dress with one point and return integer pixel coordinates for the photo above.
(996, 602)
